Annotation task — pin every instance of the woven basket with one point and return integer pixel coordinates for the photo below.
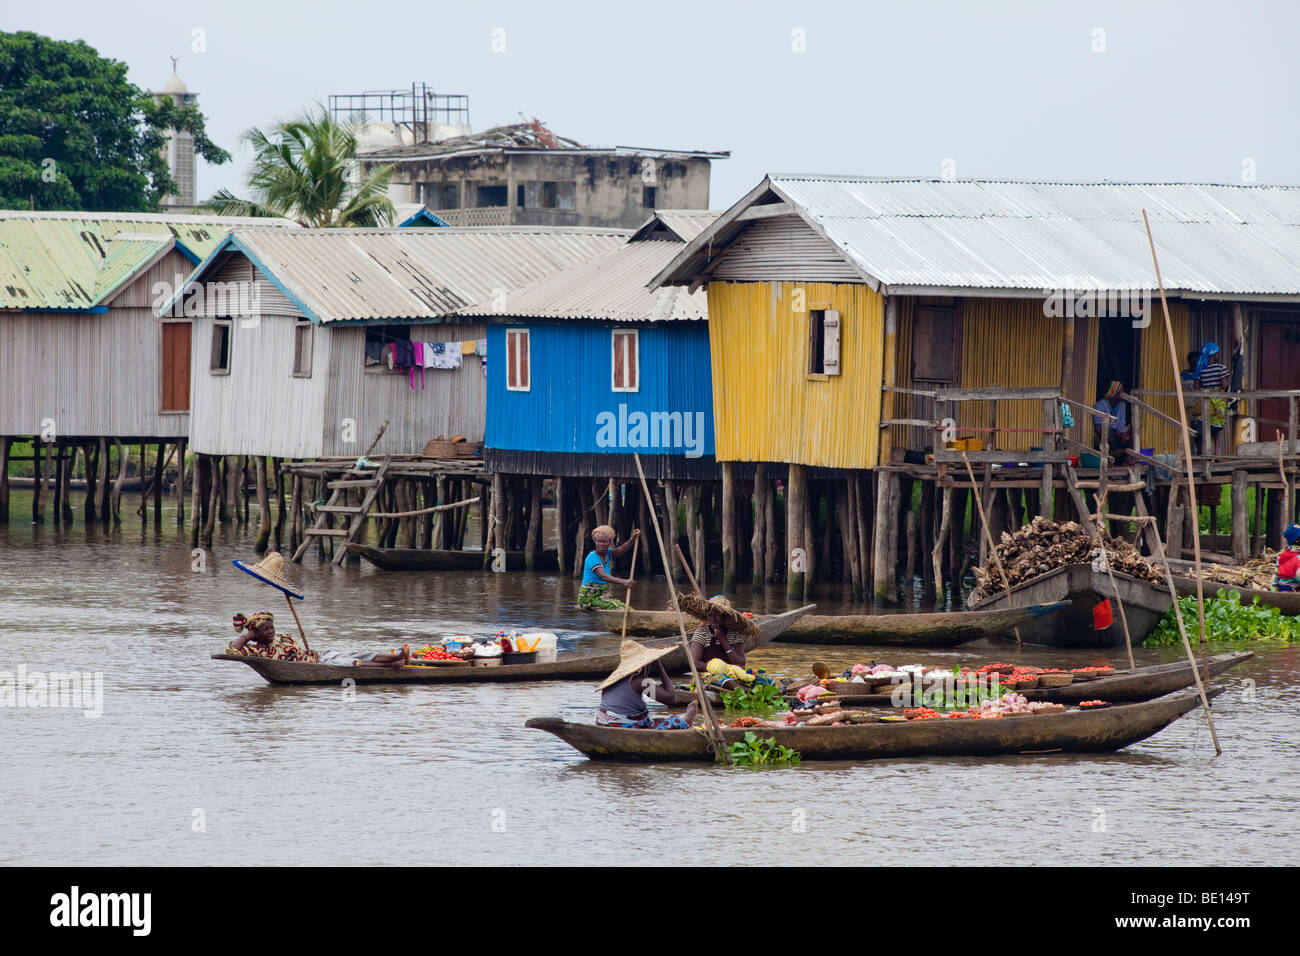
(1084, 675)
(1026, 683)
(466, 449)
(439, 448)
(1055, 680)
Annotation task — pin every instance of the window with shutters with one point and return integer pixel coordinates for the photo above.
(626, 360)
(823, 342)
(219, 362)
(518, 370)
(302, 335)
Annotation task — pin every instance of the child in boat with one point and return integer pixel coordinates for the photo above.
(258, 639)
(621, 703)
(596, 579)
(1287, 576)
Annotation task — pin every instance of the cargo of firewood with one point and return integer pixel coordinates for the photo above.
(1044, 545)
(1256, 573)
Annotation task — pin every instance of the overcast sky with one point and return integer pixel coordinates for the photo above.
(1081, 91)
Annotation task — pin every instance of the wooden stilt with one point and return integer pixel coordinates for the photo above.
(728, 527)
(940, 543)
(158, 465)
(997, 560)
(674, 532)
(38, 486)
(796, 510)
(144, 484)
(180, 482)
(263, 505)
(771, 534)
(277, 494)
(5, 443)
(1240, 530)
(561, 524)
(102, 463)
(809, 538)
(910, 573)
(197, 498)
(534, 522)
(857, 488)
(295, 514)
(122, 462)
(758, 505)
(215, 497)
(848, 514)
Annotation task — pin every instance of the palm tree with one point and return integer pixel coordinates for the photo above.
(307, 170)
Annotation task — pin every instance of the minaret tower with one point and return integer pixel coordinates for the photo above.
(180, 145)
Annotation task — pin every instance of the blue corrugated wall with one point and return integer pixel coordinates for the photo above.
(572, 387)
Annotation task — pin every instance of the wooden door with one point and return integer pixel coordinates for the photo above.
(1279, 355)
(176, 367)
(934, 365)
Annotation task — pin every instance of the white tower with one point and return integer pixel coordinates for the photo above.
(180, 145)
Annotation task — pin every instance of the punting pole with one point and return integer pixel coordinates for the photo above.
(1187, 441)
(627, 606)
(294, 611)
(686, 566)
(988, 536)
(715, 731)
(1105, 558)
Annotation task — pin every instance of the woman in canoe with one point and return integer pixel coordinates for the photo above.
(621, 703)
(258, 638)
(718, 644)
(596, 579)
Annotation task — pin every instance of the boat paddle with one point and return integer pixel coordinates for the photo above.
(631, 578)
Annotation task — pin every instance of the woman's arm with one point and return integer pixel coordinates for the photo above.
(239, 642)
(626, 546)
(735, 649)
(664, 692)
(610, 579)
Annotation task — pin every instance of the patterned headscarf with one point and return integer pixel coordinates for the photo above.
(252, 621)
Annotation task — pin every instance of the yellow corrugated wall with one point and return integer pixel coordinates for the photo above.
(765, 407)
(898, 436)
(1009, 343)
(1156, 373)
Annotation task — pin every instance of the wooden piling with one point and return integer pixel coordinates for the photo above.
(196, 498)
(561, 519)
(101, 469)
(940, 547)
(158, 463)
(1240, 531)
(122, 462)
(674, 532)
(771, 534)
(884, 561)
(5, 443)
(215, 496)
(58, 482)
(728, 527)
(38, 486)
(796, 492)
(534, 522)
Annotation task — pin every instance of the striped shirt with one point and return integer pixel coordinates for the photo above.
(1214, 377)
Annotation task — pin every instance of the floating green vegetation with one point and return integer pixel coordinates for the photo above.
(762, 697)
(753, 752)
(1227, 620)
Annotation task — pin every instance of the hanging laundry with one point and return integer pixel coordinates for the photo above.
(419, 352)
(480, 346)
(388, 357)
(445, 355)
(403, 353)
(467, 347)
(375, 351)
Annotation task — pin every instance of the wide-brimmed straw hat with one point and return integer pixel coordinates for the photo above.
(696, 606)
(631, 658)
(271, 571)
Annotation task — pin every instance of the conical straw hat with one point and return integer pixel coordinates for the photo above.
(271, 570)
(696, 606)
(631, 658)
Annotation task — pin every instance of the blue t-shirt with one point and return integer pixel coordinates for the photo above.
(589, 569)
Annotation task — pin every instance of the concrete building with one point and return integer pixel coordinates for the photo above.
(180, 146)
(525, 175)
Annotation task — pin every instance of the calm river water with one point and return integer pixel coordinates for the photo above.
(196, 761)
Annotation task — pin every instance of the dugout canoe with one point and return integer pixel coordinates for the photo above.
(1288, 602)
(943, 629)
(570, 665)
(426, 559)
(1083, 588)
(1081, 731)
(1129, 686)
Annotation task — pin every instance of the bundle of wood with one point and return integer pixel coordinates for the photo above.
(1044, 545)
(1256, 573)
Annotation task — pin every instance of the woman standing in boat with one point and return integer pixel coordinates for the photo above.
(596, 578)
(621, 700)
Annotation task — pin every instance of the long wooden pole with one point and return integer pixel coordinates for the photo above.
(715, 730)
(1187, 440)
(631, 577)
(1105, 559)
(686, 566)
(294, 611)
(988, 536)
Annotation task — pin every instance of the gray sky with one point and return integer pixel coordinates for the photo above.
(1181, 91)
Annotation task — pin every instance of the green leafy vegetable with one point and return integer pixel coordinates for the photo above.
(761, 697)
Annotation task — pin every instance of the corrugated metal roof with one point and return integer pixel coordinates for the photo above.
(1000, 235)
(611, 287)
(73, 260)
(684, 224)
(337, 275)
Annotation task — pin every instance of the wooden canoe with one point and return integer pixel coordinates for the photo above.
(944, 629)
(1082, 731)
(1140, 683)
(1145, 603)
(1288, 602)
(571, 665)
(426, 559)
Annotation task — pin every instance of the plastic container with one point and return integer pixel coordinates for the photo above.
(1089, 461)
(529, 658)
(546, 647)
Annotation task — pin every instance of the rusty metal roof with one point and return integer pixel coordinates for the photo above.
(78, 260)
(988, 237)
(396, 275)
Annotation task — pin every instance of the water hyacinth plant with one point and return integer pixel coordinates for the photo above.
(762, 697)
(753, 752)
(1227, 620)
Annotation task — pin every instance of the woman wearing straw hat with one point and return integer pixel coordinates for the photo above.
(718, 644)
(621, 703)
(596, 579)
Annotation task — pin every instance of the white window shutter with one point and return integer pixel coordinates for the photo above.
(831, 343)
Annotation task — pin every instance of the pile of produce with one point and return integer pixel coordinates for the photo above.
(1044, 545)
(431, 653)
